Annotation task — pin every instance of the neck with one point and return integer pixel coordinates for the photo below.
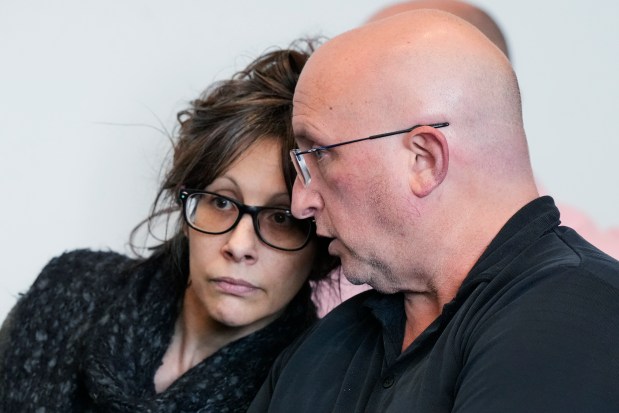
(196, 337)
(421, 310)
(443, 266)
(458, 247)
(423, 307)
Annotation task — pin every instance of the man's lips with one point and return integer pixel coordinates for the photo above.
(234, 286)
(333, 247)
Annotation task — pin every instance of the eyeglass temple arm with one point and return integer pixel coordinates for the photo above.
(382, 135)
(412, 128)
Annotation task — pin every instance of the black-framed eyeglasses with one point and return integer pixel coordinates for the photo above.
(214, 214)
(301, 162)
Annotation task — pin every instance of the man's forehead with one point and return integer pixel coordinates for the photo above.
(304, 132)
(311, 113)
(335, 94)
(328, 98)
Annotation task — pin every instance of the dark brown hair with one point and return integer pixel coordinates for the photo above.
(229, 117)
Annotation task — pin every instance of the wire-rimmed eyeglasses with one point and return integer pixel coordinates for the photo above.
(214, 214)
(301, 163)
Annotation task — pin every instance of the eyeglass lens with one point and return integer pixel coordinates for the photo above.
(299, 162)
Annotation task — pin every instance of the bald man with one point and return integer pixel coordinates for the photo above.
(413, 158)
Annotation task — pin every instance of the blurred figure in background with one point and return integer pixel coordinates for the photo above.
(472, 14)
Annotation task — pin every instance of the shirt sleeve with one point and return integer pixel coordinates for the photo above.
(549, 351)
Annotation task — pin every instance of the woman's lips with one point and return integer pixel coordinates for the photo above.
(234, 286)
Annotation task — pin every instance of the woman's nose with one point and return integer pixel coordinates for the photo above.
(242, 241)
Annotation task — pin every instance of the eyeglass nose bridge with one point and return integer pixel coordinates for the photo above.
(253, 211)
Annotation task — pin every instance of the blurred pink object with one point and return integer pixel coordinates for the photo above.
(327, 298)
(605, 239)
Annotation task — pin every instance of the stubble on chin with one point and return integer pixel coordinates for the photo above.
(371, 271)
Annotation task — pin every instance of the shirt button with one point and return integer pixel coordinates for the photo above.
(388, 382)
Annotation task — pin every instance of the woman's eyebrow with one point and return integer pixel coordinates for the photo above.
(280, 198)
(225, 177)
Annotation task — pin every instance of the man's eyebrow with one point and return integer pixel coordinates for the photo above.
(301, 138)
(305, 137)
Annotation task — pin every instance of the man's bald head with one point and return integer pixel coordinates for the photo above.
(419, 67)
(422, 64)
(472, 14)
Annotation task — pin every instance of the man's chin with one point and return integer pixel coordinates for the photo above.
(351, 275)
(362, 278)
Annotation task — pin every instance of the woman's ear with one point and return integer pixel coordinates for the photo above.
(429, 160)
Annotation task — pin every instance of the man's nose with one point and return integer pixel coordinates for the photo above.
(306, 201)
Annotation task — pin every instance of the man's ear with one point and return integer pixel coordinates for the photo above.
(429, 160)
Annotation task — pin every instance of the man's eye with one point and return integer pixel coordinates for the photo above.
(320, 153)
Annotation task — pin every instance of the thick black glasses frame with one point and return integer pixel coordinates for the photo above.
(184, 194)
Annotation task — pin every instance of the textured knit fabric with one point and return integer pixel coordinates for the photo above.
(91, 333)
(533, 328)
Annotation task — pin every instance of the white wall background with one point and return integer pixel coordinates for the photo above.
(85, 84)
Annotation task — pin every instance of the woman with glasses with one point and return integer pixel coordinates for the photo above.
(196, 325)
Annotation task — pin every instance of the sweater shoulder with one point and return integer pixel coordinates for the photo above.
(72, 283)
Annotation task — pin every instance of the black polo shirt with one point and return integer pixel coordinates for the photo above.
(533, 328)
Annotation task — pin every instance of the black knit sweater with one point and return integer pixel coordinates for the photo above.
(92, 330)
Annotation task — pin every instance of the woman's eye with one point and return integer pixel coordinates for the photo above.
(222, 203)
(281, 218)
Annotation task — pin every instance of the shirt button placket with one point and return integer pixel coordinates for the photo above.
(388, 381)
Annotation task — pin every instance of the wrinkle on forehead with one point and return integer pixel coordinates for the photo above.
(322, 117)
(308, 115)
